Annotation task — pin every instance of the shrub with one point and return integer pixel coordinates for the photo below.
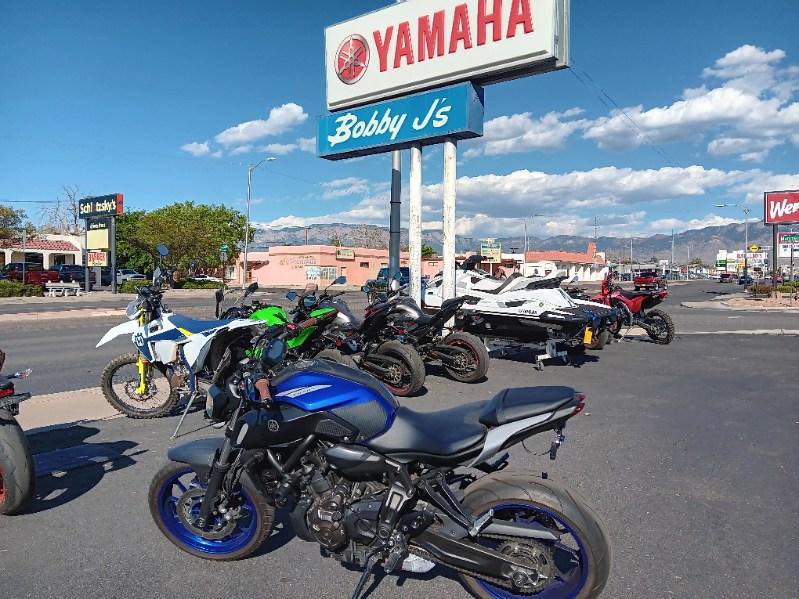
(130, 286)
(15, 289)
(760, 289)
(787, 289)
(189, 284)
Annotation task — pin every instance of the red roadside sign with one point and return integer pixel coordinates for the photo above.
(781, 207)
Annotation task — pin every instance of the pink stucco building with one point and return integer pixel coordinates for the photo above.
(295, 266)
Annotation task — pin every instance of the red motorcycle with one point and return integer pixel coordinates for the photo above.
(635, 308)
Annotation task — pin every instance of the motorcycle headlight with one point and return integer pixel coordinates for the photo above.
(133, 309)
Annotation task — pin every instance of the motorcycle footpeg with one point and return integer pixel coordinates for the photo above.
(481, 523)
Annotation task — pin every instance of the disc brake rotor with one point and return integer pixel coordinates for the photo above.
(188, 508)
(537, 557)
(130, 391)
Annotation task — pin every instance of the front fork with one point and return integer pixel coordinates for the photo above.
(144, 369)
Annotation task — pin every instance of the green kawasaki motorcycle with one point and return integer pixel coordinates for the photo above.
(397, 365)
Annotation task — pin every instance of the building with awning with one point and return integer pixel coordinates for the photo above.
(47, 250)
(590, 265)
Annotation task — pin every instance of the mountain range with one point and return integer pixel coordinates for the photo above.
(703, 243)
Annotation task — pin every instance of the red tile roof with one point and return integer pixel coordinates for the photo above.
(589, 257)
(40, 245)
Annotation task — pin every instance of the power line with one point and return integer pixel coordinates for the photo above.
(607, 100)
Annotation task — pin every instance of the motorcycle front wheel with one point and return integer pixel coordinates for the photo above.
(121, 381)
(577, 565)
(175, 497)
(17, 477)
(662, 325)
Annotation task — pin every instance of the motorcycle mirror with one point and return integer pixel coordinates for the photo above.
(252, 288)
(366, 289)
(394, 285)
(162, 250)
(340, 281)
(220, 295)
(292, 296)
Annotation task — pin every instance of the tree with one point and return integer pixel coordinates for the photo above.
(193, 233)
(13, 222)
(335, 240)
(427, 251)
(63, 217)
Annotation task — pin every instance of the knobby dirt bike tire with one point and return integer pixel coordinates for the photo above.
(165, 409)
(669, 327)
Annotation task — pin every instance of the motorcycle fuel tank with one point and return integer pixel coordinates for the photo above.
(352, 395)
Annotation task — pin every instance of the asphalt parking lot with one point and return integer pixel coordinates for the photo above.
(688, 452)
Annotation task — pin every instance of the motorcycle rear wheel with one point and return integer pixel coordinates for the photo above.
(334, 355)
(582, 557)
(17, 476)
(666, 326)
(478, 357)
(412, 367)
(118, 392)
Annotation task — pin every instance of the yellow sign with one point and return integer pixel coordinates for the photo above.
(491, 251)
(754, 248)
(97, 258)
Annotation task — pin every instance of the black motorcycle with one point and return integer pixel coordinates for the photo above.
(378, 484)
(463, 355)
(17, 474)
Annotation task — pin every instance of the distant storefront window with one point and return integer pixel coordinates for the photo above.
(313, 273)
(327, 273)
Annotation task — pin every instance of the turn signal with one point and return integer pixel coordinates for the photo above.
(7, 392)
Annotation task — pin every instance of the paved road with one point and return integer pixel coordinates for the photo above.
(689, 453)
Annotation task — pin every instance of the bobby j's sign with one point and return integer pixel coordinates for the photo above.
(455, 111)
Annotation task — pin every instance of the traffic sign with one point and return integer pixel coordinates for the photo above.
(224, 248)
(754, 248)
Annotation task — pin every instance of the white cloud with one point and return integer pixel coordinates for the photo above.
(279, 149)
(307, 144)
(241, 150)
(347, 187)
(751, 106)
(666, 225)
(523, 133)
(281, 119)
(197, 149)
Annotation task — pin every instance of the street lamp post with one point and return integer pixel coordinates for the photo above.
(747, 211)
(526, 242)
(250, 170)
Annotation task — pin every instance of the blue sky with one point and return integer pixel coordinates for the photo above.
(136, 98)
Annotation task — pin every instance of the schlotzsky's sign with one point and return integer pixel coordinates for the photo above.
(422, 44)
(427, 118)
(110, 205)
(782, 207)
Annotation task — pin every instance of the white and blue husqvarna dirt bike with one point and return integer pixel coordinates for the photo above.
(172, 353)
(378, 484)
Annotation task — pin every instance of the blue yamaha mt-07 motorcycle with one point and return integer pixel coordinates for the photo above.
(377, 484)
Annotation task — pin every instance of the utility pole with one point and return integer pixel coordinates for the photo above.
(250, 170)
(596, 226)
(671, 264)
(306, 234)
(526, 239)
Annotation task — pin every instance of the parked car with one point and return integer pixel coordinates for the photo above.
(128, 274)
(726, 277)
(380, 282)
(35, 274)
(649, 279)
(206, 279)
(745, 280)
(70, 273)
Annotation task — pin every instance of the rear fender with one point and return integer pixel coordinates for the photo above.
(126, 328)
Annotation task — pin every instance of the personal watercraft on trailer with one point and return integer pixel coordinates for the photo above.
(518, 310)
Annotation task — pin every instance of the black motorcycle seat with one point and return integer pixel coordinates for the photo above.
(196, 326)
(6, 384)
(432, 434)
(634, 294)
(510, 405)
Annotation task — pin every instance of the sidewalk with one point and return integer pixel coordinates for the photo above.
(64, 409)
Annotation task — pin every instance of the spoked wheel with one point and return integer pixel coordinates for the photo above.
(662, 327)
(577, 565)
(406, 373)
(471, 363)
(121, 384)
(235, 531)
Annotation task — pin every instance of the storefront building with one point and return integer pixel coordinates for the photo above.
(47, 250)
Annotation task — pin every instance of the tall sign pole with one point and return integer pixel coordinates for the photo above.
(99, 215)
(779, 208)
(415, 223)
(450, 182)
(394, 229)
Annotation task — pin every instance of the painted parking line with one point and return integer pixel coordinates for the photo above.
(786, 332)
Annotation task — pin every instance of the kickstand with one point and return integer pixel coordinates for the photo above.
(189, 403)
(367, 571)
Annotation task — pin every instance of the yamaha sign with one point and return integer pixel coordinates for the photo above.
(417, 45)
